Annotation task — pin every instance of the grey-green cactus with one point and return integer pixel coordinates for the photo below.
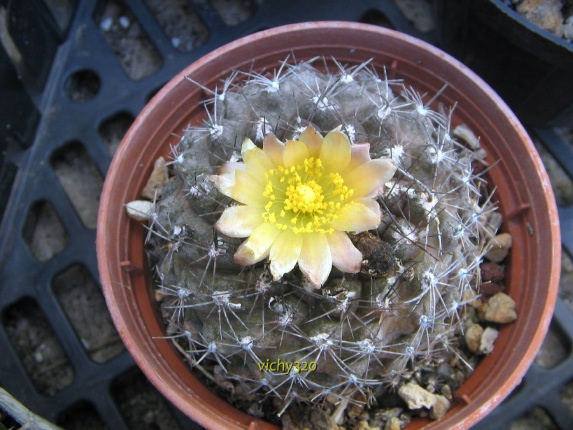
(360, 334)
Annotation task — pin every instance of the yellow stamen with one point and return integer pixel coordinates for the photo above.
(306, 196)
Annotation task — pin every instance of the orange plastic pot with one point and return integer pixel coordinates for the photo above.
(523, 189)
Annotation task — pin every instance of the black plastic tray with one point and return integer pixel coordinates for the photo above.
(72, 53)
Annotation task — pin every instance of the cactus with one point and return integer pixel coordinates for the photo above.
(359, 335)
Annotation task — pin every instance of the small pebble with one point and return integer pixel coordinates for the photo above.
(355, 409)
(139, 210)
(105, 24)
(500, 308)
(545, 14)
(447, 392)
(473, 337)
(490, 288)
(500, 246)
(159, 176)
(473, 300)
(440, 408)
(393, 423)
(466, 134)
(487, 339)
(363, 425)
(492, 272)
(124, 21)
(416, 397)
(568, 29)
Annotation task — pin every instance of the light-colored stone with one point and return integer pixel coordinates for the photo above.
(568, 29)
(157, 180)
(466, 134)
(500, 308)
(500, 246)
(473, 337)
(488, 337)
(440, 408)
(355, 409)
(494, 221)
(471, 298)
(416, 397)
(139, 210)
(545, 14)
(363, 425)
(447, 392)
(393, 424)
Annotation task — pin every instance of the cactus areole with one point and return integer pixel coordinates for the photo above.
(316, 249)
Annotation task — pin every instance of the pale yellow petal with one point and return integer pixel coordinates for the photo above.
(231, 166)
(224, 183)
(360, 155)
(313, 140)
(274, 149)
(247, 190)
(247, 146)
(239, 221)
(295, 153)
(371, 204)
(284, 253)
(368, 179)
(356, 217)
(345, 256)
(257, 246)
(335, 151)
(315, 260)
(258, 164)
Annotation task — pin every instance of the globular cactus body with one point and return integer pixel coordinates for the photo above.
(365, 332)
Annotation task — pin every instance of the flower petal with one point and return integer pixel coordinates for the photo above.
(345, 256)
(239, 221)
(257, 246)
(231, 166)
(315, 260)
(274, 149)
(295, 153)
(313, 140)
(224, 183)
(360, 155)
(246, 190)
(356, 217)
(247, 146)
(371, 204)
(258, 164)
(284, 253)
(335, 151)
(369, 178)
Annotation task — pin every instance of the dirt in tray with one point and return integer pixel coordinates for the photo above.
(38, 348)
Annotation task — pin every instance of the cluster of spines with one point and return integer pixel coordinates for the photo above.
(364, 333)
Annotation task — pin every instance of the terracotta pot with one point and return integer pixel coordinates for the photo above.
(523, 189)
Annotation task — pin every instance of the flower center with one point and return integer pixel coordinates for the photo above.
(304, 198)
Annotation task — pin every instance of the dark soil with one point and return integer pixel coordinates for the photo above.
(38, 347)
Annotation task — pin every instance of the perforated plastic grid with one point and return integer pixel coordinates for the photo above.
(75, 88)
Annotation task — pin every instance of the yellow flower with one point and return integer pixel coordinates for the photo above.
(298, 200)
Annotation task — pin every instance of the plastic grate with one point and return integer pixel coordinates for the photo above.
(79, 98)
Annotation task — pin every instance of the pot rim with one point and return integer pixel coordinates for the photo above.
(236, 419)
